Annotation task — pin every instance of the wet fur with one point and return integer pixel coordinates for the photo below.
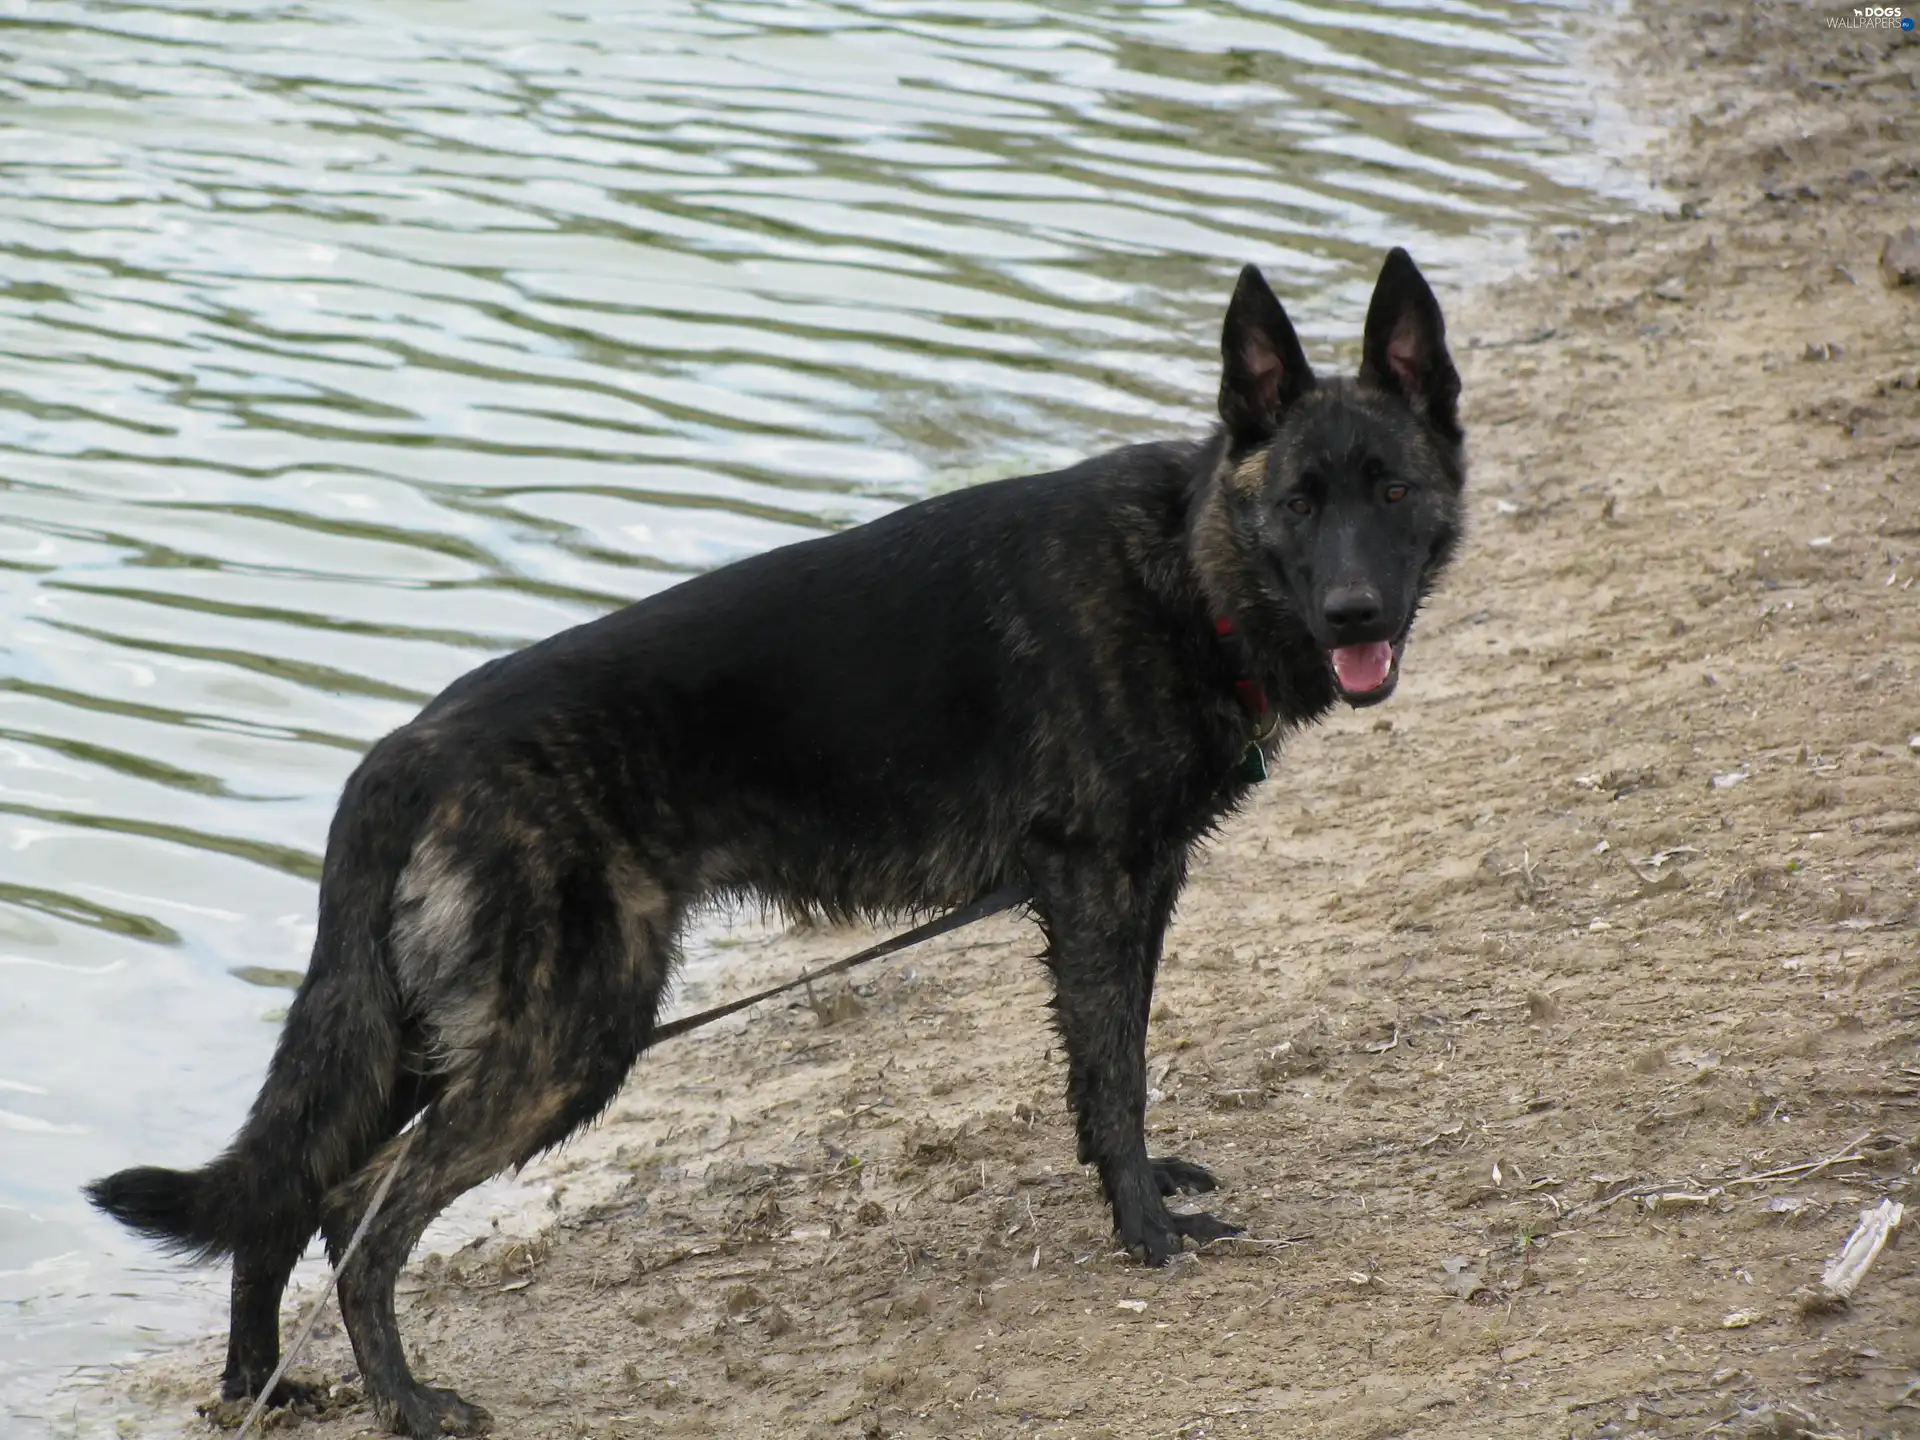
(1018, 683)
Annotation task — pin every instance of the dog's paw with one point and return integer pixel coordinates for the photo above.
(237, 1396)
(425, 1412)
(1174, 1176)
(1152, 1243)
(1204, 1229)
(1156, 1241)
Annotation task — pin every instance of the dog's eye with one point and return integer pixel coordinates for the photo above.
(1394, 492)
(1300, 504)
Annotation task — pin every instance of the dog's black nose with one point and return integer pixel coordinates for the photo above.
(1352, 609)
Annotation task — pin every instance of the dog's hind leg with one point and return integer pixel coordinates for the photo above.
(499, 1117)
(1104, 930)
(539, 1053)
(253, 1335)
(262, 1263)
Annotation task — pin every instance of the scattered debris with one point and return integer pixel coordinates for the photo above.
(833, 1009)
(1661, 882)
(1847, 1269)
(1303, 1054)
(1811, 1168)
(1774, 1422)
(1525, 877)
(743, 1301)
(1463, 1276)
(1138, 1307)
(1900, 258)
(1740, 1319)
(1670, 1200)
(1158, 1072)
(1239, 1098)
(1231, 1244)
(1661, 857)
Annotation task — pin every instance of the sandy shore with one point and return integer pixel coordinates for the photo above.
(1491, 1013)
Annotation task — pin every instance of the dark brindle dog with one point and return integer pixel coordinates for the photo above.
(1063, 681)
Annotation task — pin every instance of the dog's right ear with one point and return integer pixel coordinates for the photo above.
(1405, 346)
(1263, 370)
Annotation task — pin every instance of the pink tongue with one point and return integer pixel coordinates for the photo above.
(1361, 668)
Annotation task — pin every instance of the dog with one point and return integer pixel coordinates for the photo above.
(1062, 681)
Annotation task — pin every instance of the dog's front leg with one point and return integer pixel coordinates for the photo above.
(1104, 930)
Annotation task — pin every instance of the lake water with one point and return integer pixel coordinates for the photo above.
(346, 343)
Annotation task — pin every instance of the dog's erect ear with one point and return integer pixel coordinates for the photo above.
(1405, 348)
(1264, 369)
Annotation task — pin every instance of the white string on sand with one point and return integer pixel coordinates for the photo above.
(333, 1279)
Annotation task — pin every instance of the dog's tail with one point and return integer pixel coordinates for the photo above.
(328, 1098)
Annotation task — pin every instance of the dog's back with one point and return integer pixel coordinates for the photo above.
(861, 723)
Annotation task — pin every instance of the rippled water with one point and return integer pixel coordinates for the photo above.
(346, 343)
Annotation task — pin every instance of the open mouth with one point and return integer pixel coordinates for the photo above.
(1365, 674)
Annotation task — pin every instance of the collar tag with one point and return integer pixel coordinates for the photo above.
(1253, 765)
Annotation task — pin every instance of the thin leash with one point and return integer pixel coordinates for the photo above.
(1004, 899)
(1007, 898)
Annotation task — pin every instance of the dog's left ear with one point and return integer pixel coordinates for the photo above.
(1263, 369)
(1405, 348)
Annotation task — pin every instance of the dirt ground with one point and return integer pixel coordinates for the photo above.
(1549, 1031)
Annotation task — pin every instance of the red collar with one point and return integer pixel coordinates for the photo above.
(1253, 698)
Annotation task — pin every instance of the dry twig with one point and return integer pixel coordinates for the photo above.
(1809, 1169)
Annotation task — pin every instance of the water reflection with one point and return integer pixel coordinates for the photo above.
(344, 344)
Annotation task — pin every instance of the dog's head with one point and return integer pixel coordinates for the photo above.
(1344, 495)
